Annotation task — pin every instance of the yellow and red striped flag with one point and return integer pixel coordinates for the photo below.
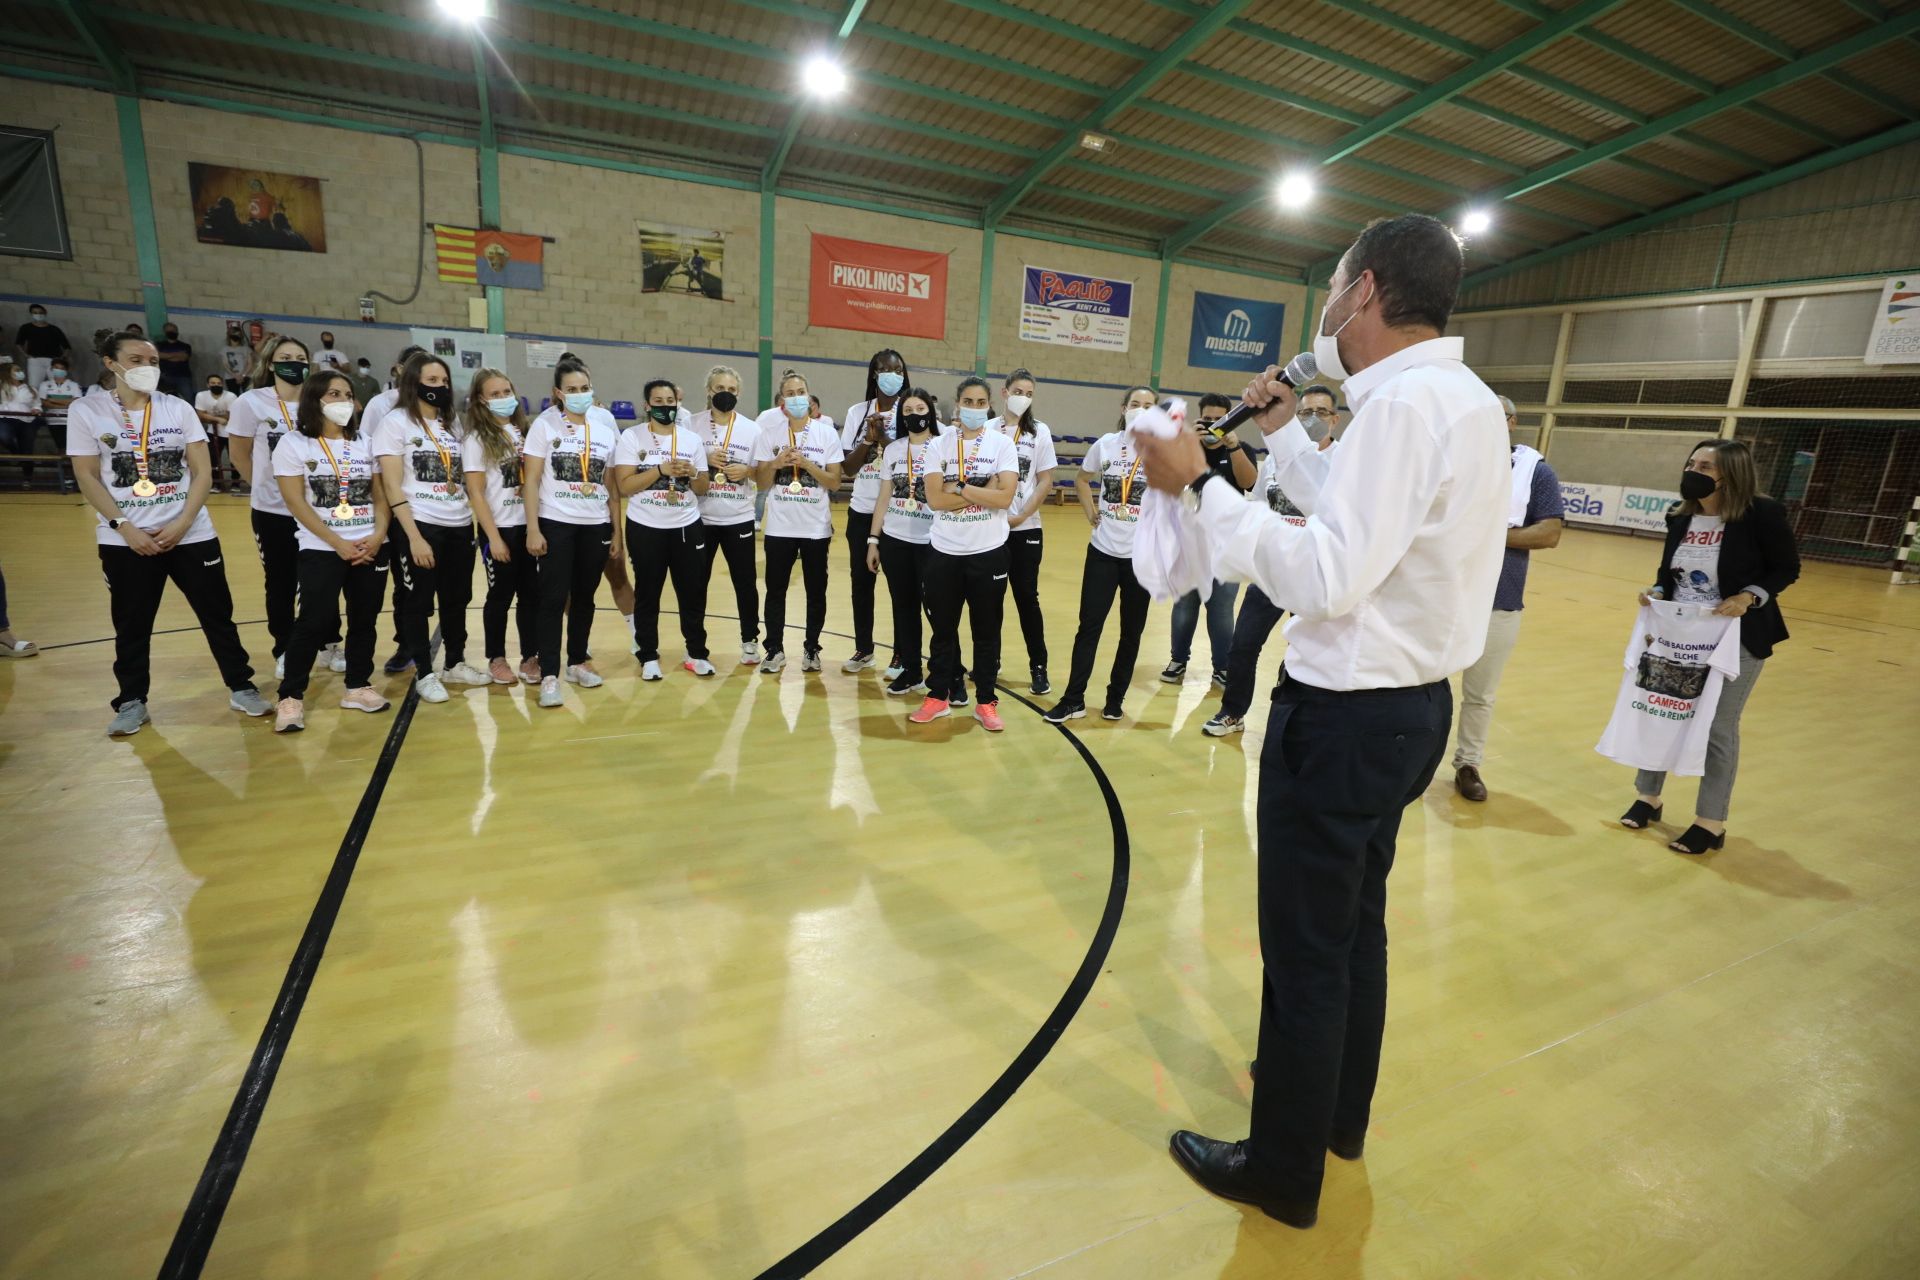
(504, 258)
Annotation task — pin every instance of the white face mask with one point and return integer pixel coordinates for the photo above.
(142, 378)
(1133, 411)
(1018, 405)
(338, 412)
(1326, 346)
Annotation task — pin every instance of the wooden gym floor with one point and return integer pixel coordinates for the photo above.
(666, 983)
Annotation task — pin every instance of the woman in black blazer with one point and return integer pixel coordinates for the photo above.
(1729, 546)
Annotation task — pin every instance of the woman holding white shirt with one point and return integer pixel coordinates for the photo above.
(494, 428)
(863, 437)
(325, 471)
(727, 507)
(659, 469)
(971, 478)
(1033, 441)
(569, 521)
(903, 541)
(417, 445)
(797, 461)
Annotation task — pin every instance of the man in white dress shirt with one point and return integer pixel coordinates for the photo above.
(1391, 579)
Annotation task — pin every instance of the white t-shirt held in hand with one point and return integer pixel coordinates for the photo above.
(1678, 658)
(1120, 484)
(903, 470)
(325, 466)
(1696, 561)
(669, 503)
(263, 417)
(99, 426)
(573, 483)
(504, 503)
(809, 512)
(866, 481)
(725, 501)
(431, 469)
(971, 529)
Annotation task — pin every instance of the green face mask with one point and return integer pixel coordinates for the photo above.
(662, 413)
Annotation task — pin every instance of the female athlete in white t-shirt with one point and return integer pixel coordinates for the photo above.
(863, 437)
(569, 522)
(727, 507)
(495, 427)
(660, 468)
(798, 463)
(903, 540)
(1033, 441)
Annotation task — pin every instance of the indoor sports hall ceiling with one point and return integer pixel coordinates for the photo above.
(1560, 118)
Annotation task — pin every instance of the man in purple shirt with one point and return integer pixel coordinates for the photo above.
(1533, 527)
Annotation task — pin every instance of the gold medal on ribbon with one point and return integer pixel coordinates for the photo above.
(341, 479)
(344, 511)
(144, 488)
(794, 487)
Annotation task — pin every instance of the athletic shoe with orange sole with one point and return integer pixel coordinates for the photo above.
(988, 714)
(930, 710)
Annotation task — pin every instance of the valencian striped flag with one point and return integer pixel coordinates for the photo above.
(502, 258)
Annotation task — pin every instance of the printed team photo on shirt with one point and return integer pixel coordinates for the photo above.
(899, 487)
(1671, 679)
(429, 465)
(566, 468)
(164, 466)
(509, 471)
(1282, 505)
(1111, 486)
(323, 489)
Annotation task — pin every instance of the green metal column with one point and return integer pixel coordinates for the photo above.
(986, 301)
(1306, 323)
(489, 183)
(146, 234)
(1160, 318)
(766, 298)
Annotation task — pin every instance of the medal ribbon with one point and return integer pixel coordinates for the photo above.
(339, 474)
(1126, 485)
(146, 426)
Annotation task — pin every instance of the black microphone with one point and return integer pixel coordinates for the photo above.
(1300, 370)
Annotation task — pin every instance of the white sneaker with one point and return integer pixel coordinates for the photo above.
(809, 662)
(775, 663)
(550, 692)
(699, 666)
(584, 676)
(749, 653)
(466, 673)
(335, 656)
(894, 670)
(430, 688)
(280, 667)
(128, 719)
(650, 670)
(857, 663)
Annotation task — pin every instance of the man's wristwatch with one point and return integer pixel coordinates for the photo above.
(1192, 496)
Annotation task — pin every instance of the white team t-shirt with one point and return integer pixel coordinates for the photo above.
(866, 481)
(1267, 487)
(971, 530)
(669, 503)
(808, 513)
(1696, 561)
(903, 469)
(725, 501)
(324, 466)
(502, 481)
(1036, 455)
(1121, 485)
(432, 472)
(1677, 659)
(573, 484)
(262, 416)
(99, 426)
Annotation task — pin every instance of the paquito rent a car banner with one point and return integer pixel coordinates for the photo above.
(1069, 310)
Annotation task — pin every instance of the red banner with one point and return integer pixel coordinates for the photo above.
(878, 288)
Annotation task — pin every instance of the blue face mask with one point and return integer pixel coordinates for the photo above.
(577, 401)
(973, 419)
(889, 383)
(797, 406)
(504, 406)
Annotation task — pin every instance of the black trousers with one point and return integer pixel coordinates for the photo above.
(569, 577)
(279, 551)
(979, 582)
(449, 583)
(1023, 557)
(859, 529)
(515, 584)
(1336, 771)
(1102, 577)
(737, 541)
(905, 564)
(1258, 617)
(812, 555)
(400, 594)
(323, 577)
(656, 554)
(135, 585)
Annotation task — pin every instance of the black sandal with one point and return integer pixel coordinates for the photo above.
(1697, 840)
(1641, 815)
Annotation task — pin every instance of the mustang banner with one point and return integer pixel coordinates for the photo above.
(503, 258)
(1069, 310)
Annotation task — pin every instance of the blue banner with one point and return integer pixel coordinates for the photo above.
(1235, 333)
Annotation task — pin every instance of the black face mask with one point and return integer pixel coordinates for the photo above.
(910, 422)
(1695, 485)
(438, 397)
(724, 401)
(662, 413)
(327, 343)
(293, 371)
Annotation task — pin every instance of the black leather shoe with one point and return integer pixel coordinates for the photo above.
(1467, 781)
(1221, 1167)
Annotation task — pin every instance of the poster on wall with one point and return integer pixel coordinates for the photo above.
(1069, 310)
(1895, 338)
(503, 259)
(256, 208)
(1235, 333)
(463, 349)
(877, 288)
(33, 221)
(686, 260)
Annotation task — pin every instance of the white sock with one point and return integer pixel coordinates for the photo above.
(629, 621)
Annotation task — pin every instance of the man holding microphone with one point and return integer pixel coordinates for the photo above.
(1391, 580)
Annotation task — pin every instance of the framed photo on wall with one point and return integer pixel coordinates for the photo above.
(33, 220)
(256, 208)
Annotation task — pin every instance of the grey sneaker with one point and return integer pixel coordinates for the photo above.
(810, 661)
(248, 702)
(128, 719)
(550, 692)
(1223, 724)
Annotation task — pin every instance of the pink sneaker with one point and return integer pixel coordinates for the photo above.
(364, 699)
(930, 710)
(289, 716)
(501, 672)
(530, 671)
(988, 714)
